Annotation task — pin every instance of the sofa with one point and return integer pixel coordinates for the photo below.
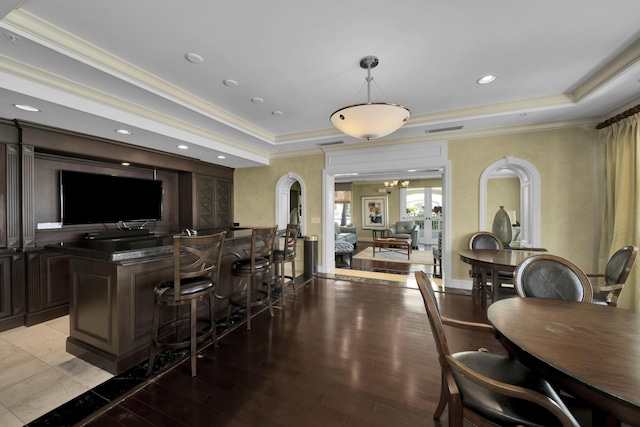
(406, 229)
(348, 234)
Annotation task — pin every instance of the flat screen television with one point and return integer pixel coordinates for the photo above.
(89, 198)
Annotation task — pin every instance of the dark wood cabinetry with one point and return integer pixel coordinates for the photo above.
(208, 201)
(6, 306)
(47, 286)
(213, 202)
(11, 289)
(35, 282)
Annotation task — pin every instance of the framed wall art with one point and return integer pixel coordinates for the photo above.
(374, 212)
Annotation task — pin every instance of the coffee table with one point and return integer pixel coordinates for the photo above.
(388, 242)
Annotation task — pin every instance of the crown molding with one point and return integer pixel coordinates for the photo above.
(627, 58)
(46, 34)
(32, 77)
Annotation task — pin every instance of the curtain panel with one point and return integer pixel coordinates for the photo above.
(622, 211)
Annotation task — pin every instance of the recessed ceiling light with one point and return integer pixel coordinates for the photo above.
(26, 108)
(277, 113)
(486, 79)
(221, 157)
(125, 164)
(194, 58)
(412, 170)
(230, 83)
(183, 147)
(257, 100)
(124, 132)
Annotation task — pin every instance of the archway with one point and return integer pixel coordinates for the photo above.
(530, 210)
(283, 200)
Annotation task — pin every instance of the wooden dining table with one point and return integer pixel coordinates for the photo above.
(494, 261)
(590, 351)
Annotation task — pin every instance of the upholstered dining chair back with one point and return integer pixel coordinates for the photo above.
(550, 276)
(484, 388)
(485, 240)
(615, 276)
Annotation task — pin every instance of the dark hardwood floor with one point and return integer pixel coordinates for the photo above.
(342, 353)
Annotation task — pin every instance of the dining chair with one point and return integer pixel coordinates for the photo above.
(284, 255)
(196, 272)
(488, 389)
(615, 275)
(489, 241)
(551, 276)
(256, 267)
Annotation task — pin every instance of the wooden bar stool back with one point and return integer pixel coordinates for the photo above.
(256, 267)
(284, 255)
(196, 272)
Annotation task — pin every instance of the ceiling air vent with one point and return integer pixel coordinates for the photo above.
(325, 144)
(445, 129)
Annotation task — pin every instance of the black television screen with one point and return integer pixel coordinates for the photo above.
(89, 198)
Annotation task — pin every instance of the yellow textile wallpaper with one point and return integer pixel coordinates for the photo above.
(570, 162)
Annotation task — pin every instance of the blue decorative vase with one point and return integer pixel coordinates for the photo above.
(502, 226)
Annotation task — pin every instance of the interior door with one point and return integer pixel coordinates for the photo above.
(417, 204)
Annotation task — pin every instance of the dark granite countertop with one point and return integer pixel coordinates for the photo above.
(129, 248)
(7, 252)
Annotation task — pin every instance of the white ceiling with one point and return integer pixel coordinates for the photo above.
(95, 66)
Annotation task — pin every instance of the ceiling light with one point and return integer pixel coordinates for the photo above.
(183, 147)
(370, 120)
(257, 100)
(486, 79)
(400, 184)
(26, 108)
(125, 164)
(194, 58)
(230, 83)
(124, 132)
(221, 157)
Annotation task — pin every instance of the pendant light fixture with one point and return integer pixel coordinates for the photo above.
(373, 119)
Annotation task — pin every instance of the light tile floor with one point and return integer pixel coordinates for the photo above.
(37, 374)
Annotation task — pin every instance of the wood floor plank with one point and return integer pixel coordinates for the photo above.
(341, 353)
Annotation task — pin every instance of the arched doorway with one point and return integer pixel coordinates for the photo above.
(290, 188)
(530, 211)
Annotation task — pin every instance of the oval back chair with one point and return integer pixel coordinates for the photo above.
(551, 276)
(615, 275)
(484, 388)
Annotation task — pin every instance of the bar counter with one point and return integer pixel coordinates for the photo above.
(111, 293)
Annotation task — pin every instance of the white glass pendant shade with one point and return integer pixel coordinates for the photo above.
(373, 119)
(369, 121)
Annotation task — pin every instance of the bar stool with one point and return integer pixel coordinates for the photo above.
(196, 272)
(287, 254)
(257, 266)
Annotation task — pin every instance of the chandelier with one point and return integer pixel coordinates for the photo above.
(397, 183)
(370, 120)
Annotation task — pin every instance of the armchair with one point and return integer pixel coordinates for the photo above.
(406, 229)
(348, 234)
(618, 268)
(488, 389)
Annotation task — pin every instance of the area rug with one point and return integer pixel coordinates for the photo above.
(417, 257)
